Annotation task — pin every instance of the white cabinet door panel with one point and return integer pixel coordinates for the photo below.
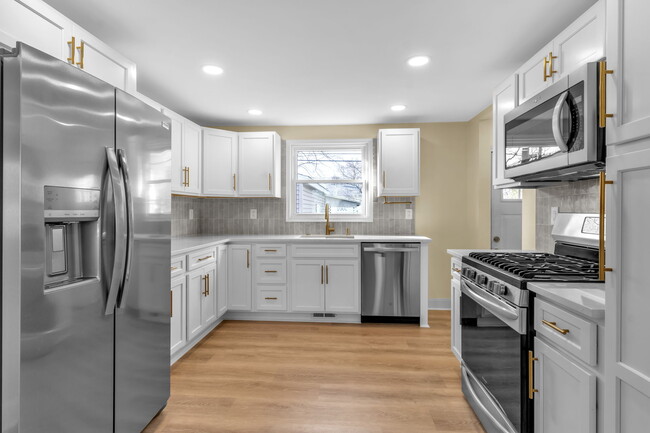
(342, 281)
(222, 280)
(195, 288)
(192, 156)
(628, 37)
(177, 151)
(239, 277)
(398, 162)
(307, 285)
(566, 401)
(177, 320)
(37, 24)
(455, 318)
(257, 161)
(219, 162)
(208, 300)
(531, 75)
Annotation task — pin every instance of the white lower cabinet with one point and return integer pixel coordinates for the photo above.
(177, 313)
(455, 318)
(342, 282)
(222, 280)
(307, 285)
(201, 305)
(239, 278)
(271, 298)
(566, 397)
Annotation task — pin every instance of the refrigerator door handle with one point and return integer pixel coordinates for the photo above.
(129, 227)
(120, 230)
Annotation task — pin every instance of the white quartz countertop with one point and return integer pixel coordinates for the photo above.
(587, 299)
(464, 252)
(185, 244)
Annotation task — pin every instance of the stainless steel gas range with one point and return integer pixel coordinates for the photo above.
(495, 312)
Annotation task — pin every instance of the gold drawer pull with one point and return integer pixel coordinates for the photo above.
(531, 389)
(270, 272)
(173, 268)
(456, 270)
(271, 299)
(205, 258)
(270, 251)
(553, 326)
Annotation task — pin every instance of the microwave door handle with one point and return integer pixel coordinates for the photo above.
(556, 122)
(121, 234)
(129, 227)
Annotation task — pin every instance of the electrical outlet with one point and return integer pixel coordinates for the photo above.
(253, 214)
(191, 214)
(554, 211)
(408, 214)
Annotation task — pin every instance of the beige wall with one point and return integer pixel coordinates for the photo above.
(448, 186)
(528, 215)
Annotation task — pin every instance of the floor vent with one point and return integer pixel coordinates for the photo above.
(329, 315)
(319, 315)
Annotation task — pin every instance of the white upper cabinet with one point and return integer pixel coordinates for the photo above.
(219, 162)
(39, 25)
(100, 60)
(398, 162)
(504, 99)
(258, 173)
(582, 42)
(628, 87)
(534, 74)
(186, 155)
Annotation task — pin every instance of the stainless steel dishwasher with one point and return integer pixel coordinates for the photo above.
(390, 282)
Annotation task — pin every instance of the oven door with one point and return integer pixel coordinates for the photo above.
(494, 353)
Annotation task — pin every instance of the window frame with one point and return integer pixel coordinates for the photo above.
(366, 145)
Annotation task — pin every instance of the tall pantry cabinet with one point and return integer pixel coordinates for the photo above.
(627, 358)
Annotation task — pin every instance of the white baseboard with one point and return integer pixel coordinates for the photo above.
(439, 304)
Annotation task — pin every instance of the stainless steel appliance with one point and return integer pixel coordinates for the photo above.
(85, 251)
(495, 312)
(390, 282)
(555, 135)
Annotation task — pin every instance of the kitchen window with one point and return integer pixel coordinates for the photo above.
(334, 172)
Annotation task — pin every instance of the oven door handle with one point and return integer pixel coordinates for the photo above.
(556, 122)
(491, 305)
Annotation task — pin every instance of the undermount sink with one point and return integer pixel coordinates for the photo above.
(327, 236)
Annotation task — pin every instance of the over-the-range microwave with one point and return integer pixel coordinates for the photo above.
(555, 135)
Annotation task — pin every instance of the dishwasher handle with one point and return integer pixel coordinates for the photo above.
(391, 250)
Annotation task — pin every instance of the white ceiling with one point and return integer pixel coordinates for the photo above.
(326, 62)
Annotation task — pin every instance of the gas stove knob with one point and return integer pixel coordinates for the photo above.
(481, 279)
(500, 289)
(491, 285)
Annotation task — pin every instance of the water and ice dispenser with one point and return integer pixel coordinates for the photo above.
(72, 240)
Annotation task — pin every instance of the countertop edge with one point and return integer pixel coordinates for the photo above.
(567, 303)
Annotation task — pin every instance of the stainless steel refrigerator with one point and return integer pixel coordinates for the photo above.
(86, 204)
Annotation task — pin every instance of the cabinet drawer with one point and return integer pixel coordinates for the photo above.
(271, 298)
(178, 266)
(267, 250)
(567, 331)
(455, 267)
(270, 271)
(325, 250)
(201, 258)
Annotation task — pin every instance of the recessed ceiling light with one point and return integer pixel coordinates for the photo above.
(212, 70)
(418, 61)
(398, 107)
(255, 112)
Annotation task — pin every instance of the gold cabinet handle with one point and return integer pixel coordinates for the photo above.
(549, 62)
(602, 93)
(185, 183)
(173, 268)
(248, 259)
(545, 66)
(327, 274)
(204, 258)
(531, 388)
(82, 50)
(271, 298)
(234, 182)
(602, 267)
(553, 326)
(203, 290)
(456, 270)
(188, 177)
(270, 272)
(270, 189)
(270, 251)
(207, 285)
(73, 48)
(322, 280)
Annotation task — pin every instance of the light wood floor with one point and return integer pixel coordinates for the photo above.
(319, 378)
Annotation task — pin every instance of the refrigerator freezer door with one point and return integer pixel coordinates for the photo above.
(57, 122)
(142, 346)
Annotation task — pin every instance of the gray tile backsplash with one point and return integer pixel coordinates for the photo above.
(578, 197)
(231, 216)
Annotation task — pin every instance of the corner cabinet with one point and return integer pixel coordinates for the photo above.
(240, 274)
(186, 155)
(219, 161)
(43, 27)
(398, 162)
(258, 173)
